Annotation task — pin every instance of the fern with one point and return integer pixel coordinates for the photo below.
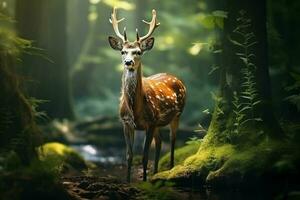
(246, 98)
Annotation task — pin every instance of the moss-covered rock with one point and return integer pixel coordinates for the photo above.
(70, 159)
(231, 165)
(180, 155)
(38, 180)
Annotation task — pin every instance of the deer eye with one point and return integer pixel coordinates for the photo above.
(139, 53)
(123, 52)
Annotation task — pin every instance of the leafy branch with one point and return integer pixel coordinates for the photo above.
(246, 98)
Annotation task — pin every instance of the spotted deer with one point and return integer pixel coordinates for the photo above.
(146, 103)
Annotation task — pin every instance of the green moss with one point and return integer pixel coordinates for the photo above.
(227, 163)
(69, 157)
(159, 190)
(38, 180)
(203, 161)
(180, 155)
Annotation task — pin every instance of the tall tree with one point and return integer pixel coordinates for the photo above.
(243, 128)
(44, 22)
(18, 131)
(245, 68)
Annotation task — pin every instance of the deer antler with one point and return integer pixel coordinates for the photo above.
(113, 20)
(153, 24)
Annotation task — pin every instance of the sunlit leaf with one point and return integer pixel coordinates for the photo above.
(94, 1)
(93, 16)
(196, 48)
(120, 4)
(208, 22)
(206, 111)
(165, 42)
(220, 13)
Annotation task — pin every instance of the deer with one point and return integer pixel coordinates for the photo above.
(146, 103)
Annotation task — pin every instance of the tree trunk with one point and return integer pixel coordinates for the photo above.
(244, 140)
(261, 121)
(18, 131)
(44, 22)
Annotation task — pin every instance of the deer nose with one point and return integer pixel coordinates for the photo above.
(128, 62)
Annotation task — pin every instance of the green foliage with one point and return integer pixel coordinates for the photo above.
(34, 103)
(68, 157)
(214, 20)
(246, 98)
(194, 140)
(159, 190)
(181, 153)
(39, 179)
(17, 128)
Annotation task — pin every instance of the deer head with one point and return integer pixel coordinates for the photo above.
(132, 51)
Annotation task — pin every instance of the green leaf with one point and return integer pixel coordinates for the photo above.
(206, 111)
(246, 97)
(220, 13)
(213, 69)
(219, 22)
(208, 22)
(253, 43)
(235, 42)
(256, 102)
(240, 54)
(245, 108)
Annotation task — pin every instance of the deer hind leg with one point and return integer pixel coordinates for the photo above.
(148, 140)
(173, 128)
(157, 139)
(129, 138)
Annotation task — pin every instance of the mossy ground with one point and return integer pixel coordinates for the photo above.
(232, 165)
(67, 156)
(181, 154)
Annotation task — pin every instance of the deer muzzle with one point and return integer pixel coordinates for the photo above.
(129, 64)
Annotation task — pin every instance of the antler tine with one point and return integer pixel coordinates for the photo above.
(114, 21)
(153, 24)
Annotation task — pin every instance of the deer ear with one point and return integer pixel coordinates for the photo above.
(115, 43)
(147, 44)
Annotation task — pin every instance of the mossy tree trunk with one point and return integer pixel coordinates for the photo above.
(44, 22)
(243, 129)
(243, 110)
(18, 131)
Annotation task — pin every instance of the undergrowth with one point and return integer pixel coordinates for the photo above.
(245, 98)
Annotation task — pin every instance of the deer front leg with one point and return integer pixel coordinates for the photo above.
(129, 138)
(157, 139)
(148, 140)
(173, 129)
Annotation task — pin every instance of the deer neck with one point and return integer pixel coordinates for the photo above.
(132, 92)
